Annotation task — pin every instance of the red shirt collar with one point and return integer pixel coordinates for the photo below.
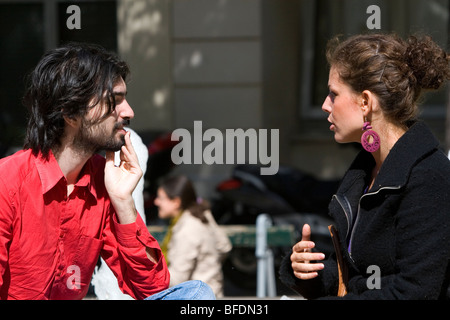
(50, 174)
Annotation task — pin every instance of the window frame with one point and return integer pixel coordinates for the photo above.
(310, 111)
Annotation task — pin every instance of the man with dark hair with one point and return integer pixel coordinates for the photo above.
(61, 204)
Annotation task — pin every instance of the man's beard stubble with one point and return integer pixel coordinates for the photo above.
(93, 138)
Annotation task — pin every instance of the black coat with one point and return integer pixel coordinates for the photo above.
(400, 227)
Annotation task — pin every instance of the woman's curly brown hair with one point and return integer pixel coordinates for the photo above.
(397, 71)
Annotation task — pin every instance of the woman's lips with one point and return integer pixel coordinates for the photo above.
(332, 126)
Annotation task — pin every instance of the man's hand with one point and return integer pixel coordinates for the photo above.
(121, 180)
(302, 255)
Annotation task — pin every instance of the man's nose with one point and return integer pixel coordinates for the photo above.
(125, 110)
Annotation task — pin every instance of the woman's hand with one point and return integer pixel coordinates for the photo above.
(302, 256)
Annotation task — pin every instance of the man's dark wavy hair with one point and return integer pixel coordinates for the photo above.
(67, 82)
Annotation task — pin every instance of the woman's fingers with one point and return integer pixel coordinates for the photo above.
(302, 256)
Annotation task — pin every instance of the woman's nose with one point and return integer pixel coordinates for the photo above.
(326, 106)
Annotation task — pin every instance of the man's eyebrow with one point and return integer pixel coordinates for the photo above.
(120, 93)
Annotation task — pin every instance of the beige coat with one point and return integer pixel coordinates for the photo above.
(196, 251)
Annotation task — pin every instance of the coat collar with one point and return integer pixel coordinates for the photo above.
(413, 146)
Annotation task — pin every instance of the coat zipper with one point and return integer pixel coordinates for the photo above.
(359, 207)
(349, 216)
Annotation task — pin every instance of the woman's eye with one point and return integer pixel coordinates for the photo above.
(332, 95)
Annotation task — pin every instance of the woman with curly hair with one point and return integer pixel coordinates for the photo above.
(392, 209)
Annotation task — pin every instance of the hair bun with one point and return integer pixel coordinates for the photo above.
(428, 62)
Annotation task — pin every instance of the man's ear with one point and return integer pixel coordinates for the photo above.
(73, 122)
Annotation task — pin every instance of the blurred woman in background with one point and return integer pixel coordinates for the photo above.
(194, 246)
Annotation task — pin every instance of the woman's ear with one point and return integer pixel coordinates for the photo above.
(177, 202)
(369, 103)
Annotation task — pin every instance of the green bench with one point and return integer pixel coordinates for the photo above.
(247, 236)
(244, 235)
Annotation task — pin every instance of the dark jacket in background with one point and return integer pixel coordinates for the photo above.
(400, 226)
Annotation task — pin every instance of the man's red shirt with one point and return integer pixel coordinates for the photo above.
(50, 242)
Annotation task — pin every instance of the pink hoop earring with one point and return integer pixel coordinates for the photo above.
(370, 140)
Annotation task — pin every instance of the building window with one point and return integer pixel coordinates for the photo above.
(22, 44)
(98, 23)
(324, 19)
(27, 30)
